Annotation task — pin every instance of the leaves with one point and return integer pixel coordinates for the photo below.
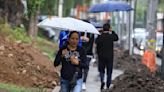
(34, 5)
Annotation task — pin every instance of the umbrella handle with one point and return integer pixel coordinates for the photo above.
(85, 34)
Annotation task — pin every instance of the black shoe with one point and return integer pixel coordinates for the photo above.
(102, 86)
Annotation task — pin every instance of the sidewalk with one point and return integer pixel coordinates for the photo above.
(93, 81)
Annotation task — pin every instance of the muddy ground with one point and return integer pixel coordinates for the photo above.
(22, 65)
(136, 77)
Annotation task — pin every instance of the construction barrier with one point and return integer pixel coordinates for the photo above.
(149, 59)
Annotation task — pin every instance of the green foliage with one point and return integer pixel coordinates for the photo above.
(47, 47)
(5, 29)
(67, 7)
(34, 5)
(19, 33)
(141, 9)
(13, 88)
(50, 7)
(161, 6)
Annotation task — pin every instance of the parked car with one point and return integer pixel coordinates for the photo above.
(139, 38)
(159, 44)
(48, 32)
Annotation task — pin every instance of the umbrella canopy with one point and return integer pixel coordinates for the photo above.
(110, 6)
(68, 23)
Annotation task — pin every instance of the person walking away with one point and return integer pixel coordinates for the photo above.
(73, 60)
(105, 52)
(87, 44)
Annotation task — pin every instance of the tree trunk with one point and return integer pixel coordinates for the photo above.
(33, 21)
(12, 10)
(151, 20)
(36, 22)
(31, 29)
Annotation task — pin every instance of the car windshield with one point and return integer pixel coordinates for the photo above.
(159, 39)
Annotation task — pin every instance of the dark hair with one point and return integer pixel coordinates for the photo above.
(106, 27)
(70, 34)
(86, 20)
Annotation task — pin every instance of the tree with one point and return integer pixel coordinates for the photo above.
(12, 11)
(72, 4)
(50, 7)
(33, 8)
(161, 6)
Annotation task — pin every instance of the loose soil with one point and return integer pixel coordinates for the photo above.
(136, 77)
(22, 65)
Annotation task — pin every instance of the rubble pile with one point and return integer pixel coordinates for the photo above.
(123, 61)
(136, 77)
(25, 66)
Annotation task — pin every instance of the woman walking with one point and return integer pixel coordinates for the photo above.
(73, 60)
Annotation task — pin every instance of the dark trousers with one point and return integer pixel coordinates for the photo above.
(85, 71)
(105, 63)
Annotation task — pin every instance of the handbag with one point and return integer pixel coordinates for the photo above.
(72, 82)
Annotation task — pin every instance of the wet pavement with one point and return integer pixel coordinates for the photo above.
(93, 81)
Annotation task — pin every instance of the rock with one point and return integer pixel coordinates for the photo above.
(54, 83)
(1, 53)
(38, 67)
(10, 55)
(2, 48)
(24, 71)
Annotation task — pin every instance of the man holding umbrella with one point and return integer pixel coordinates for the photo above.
(105, 53)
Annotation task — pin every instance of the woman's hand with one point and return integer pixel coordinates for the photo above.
(74, 60)
(64, 52)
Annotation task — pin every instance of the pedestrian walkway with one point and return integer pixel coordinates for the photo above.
(93, 81)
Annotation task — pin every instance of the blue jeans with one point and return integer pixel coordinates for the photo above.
(85, 72)
(65, 86)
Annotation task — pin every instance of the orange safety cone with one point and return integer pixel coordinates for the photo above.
(149, 60)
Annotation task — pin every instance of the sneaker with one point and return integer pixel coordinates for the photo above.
(102, 86)
(84, 86)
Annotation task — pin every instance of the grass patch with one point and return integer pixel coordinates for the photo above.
(47, 47)
(13, 88)
(19, 34)
(16, 33)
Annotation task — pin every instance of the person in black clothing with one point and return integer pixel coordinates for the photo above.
(87, 44)
(73, 59)
(104, 48)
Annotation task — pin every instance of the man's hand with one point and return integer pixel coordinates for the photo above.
(84, 38)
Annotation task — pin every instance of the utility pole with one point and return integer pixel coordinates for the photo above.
(130, 25)
(60, 8)
(151, 20)
(162, 66)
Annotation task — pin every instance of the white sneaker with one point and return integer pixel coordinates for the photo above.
(84, 86)
(93, 60)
